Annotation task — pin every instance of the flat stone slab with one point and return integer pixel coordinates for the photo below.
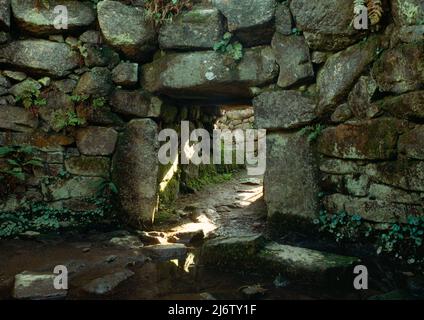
(107, 283)
(302, 263)
(36, 286)
(166, 251)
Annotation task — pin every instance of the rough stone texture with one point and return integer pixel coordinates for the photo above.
(407, 106)
(306, 264)
(43, 141)
(22, 88)
(400, 69)
(408, 12)
(125, 74)
(88, 166)
(136, 170)
(341, 71)
(57, 102)
(342, 113)
(283, 109)
(36, 286)
(40, 56)
(17, 119)
(4, 14)
(283, 19)
(390, 194)
(360, 98)
(292, 55)
(42, 20)
(207, 74)
(135, 103)
(166, 252)
(96, 141)
(326, 24)
(107, 283)
(96, 83)
(199, 28)
(251, 20)
(404, 174)
(72, 188)
(412, 143)
(127, 29)
(290, 180)
(370, 139)
(338, 166)
(370, 210)
(100, 56)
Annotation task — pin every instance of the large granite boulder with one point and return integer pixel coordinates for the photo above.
(293, 57)
(400, 69)
(96, 141)
(40, 57)
(199, 28)
(325, 24)
(136, 170)
(207, 74)
(41, 20)
(368, 139)
(283, 110)
(127, 28)
(290, 182)
(341, 71)
(252, 21)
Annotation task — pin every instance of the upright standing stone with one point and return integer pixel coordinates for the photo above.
(4, 14)
(136, 169)
(290, 182)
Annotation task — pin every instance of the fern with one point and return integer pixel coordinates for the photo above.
(375, 11)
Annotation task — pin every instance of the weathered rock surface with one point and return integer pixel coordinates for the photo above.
(36, 286)
(42, 20)
(207, 74)
(400, 69)
(166, 252)
(135, 103)
(292, 55)
(341, 71)
(127, 242)
(107, 283)
(283, 19)
(326, 25)
(4, 14)
(136, 170)
(370, 139)
(283, 110)
(72, 188)
(88, 166)
(125, 74)
(306, 264)
(412, 143)
(252, 20)
(290, 182)
(96, 141)
(127, 29)
(390, 194)
(40, 56)
(199, 28)
(17, 119)
(96, 83)
(370, 210)
(46, 142)
(360, 98)
(406, 106)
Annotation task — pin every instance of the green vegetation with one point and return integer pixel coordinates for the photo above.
(62, 119)
(312, 132)
(229, 47)
(16, 162)
(408, 10)
(31, 99)
(160, 11)
(400, 241)
(208, 174)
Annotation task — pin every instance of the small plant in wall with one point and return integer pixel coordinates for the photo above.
(31, 99)
(312, 132)
(229, 47)
(160, 11)
(16, 163)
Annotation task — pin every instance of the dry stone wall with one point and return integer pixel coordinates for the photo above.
(344, 108)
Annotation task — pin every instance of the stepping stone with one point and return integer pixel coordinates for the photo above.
(166, 251)
(127, 242)
(251, 181)
(107, 283)
(306, 264)
(36, 286)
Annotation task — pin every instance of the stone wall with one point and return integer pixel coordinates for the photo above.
(344, 108)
